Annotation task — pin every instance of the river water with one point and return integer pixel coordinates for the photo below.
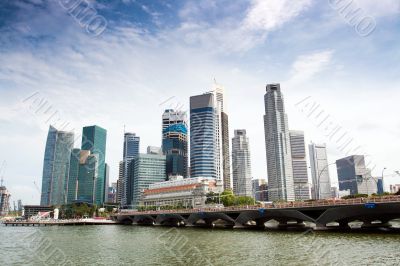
(138, 245)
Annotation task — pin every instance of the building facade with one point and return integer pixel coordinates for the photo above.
(130, 152)
(73, 179)
(94, 140)
(299, 164)
(353, 175)
(320, 171)
(203, 138)
(180, 192)
(144, 170)
(241, 164)
(277, 143)
(260, 189)
(4, 200)
(175, 142)
(222, 134)
(56, 167)
(88, 178)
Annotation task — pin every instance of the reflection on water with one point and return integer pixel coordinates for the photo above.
(135, 245)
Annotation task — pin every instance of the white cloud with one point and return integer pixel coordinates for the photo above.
(308, 65)
(272, 14)
(379, 8)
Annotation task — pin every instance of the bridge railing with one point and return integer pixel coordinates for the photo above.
(283, 205)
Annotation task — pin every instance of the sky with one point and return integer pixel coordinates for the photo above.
(126, 61)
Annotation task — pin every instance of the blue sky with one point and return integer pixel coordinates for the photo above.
(153, 55)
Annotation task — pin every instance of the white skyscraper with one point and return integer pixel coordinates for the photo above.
(241, 164)
(299, 163)
(320, 171)
(277, 143)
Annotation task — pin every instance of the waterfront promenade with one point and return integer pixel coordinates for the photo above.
(60, 222)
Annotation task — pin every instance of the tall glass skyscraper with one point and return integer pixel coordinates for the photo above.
(241, 162)
(204, 148)
(130, 152)
(73, 176)
(89, 178)
(277, 143)
(94, 140)
(56, 167)
(175, 142)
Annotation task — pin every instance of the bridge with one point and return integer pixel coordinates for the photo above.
(322, 215)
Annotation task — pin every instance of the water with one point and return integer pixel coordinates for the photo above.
(136, 245)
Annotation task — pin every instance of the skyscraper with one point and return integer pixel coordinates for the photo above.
(94, 140)
(120, 185)
(131, 151)
(175, 142)
(241, 164)
(4, 200)
(106, 181)
(320, 171)
(144, 170)
(56, 167)
(73, 176)
(203, 139)
(353, 175)
(277, 143)
(88, 180)
(299, 164)
(223, 137)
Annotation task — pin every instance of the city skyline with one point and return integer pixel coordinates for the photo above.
(332, 76)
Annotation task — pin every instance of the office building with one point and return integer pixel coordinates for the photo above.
(222, 133)
(277, 144)
(56, 167)
(144, 170)
(106, 181)
(204, 148)
(299, 165)
(353, 175)
(241, 164)
(94, 140)
(120, 185)
(130, 152)
(89, 178)
(73, 176)
(320, 171)
(175, 142)
(260, 190)
(180, 192)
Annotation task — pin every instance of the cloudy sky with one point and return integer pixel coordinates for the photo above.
(137, 58)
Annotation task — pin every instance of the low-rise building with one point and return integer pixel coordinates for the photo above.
(180, 192)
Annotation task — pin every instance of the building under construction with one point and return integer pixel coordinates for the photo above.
(4, 201)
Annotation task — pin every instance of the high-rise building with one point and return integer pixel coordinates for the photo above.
(241, 164)
(223, 137)
(131, 151)
(353, 175)
(4, 200)
(204, 149)
(73, 176)
(56, 167)
(277, 143)
(120, 185)
(320, 171)
(175, 142)
(260, 189)
(106, 181)
(94, 140)
(144, 170)
(299, 164)
(89, 178)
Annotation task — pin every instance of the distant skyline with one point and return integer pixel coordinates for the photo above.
(154, 55)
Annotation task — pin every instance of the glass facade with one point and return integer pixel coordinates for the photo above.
(94, 140)
(73, 176)
(203, 140)
(146, 169)
(56, 167)
(175, 143)
(131, 151)
(88, 177)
